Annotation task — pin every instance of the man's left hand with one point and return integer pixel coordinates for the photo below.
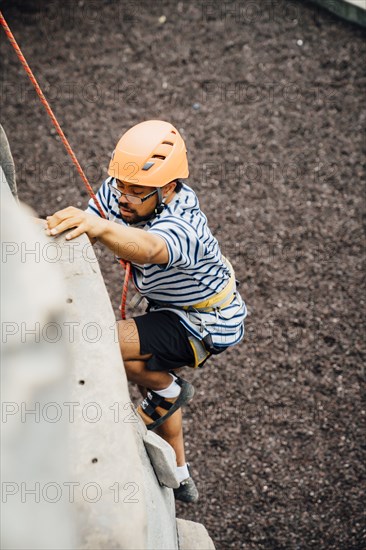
(74, 217)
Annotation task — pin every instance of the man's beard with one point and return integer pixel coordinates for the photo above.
(134, 218)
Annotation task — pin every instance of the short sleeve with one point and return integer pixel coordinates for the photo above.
(184, 246)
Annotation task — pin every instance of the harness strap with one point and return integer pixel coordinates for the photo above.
(156, 400)
(150, 410)
(222, 298)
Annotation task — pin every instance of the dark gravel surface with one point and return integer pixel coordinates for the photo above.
(270, 97)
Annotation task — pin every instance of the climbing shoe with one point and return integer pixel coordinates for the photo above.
(187, 491)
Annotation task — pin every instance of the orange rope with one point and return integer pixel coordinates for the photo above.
(67, 146)
(128, 274)
(46, 105)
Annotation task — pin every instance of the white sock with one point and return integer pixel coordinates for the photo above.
(171, 391)
(182, 472)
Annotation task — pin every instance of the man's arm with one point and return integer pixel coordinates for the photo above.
(130, 243)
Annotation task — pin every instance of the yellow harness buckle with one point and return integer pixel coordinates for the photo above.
(199, 351)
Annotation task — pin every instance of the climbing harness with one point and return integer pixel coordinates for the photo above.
(203, 346)
(222, 298)
(13, 42)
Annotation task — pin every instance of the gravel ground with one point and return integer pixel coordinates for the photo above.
(270, 97)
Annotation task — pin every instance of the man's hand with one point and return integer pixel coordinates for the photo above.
(130, 243)
(74, 217)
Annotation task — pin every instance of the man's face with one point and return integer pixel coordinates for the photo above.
(133, 213)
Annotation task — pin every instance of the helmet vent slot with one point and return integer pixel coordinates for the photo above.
(161, 157)
(172, 132)
(167, 143)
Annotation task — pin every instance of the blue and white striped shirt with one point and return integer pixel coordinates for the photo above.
(195, 270)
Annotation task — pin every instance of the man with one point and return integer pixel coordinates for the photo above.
(154, 221)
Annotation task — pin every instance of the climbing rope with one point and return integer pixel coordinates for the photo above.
(13, 42)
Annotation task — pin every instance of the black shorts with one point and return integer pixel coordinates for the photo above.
(163, 335)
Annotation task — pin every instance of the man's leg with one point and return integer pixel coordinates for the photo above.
(135, 365)
(169, 432)
(172, 431)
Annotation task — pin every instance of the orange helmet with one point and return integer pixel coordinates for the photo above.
(152, 153)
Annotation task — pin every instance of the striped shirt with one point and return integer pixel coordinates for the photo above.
(195, 270)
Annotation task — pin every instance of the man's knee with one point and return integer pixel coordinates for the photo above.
(128, 339)
(132, 368)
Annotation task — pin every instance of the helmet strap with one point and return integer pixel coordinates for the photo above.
(161, 202)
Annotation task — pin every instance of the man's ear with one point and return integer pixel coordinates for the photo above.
(169, 188)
